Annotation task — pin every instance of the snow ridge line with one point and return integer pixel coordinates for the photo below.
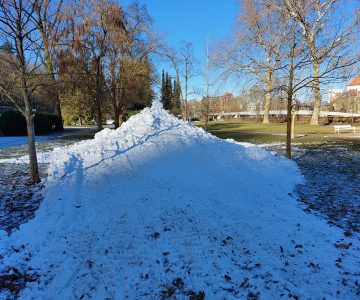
(141, 141)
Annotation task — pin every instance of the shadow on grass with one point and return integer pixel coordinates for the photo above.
(248, 136)
(80, 136)
(272, 128)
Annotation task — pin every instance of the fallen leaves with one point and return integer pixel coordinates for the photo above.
(343, 246)
(14, 280)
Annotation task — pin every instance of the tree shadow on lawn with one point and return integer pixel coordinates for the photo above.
(249, 137)
(19, 199)
(332, 186)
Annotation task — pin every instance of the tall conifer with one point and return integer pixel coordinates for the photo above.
(163, 88)
(176, 102)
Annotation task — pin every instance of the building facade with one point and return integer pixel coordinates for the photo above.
(354, 85)
(333, 94)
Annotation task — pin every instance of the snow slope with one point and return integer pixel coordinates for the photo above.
(158, 208)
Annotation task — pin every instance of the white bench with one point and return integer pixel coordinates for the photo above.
(339, 128)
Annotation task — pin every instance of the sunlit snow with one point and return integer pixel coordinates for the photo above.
(159, 208)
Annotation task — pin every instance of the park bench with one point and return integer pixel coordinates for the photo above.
(339, 128)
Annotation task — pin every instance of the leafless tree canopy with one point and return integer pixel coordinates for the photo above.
(257, 50)
(89, 57)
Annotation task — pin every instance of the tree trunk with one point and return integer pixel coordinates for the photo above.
(121, 119)
(99, 118)
(29, 116)
(57, 109)
(288, 125)
(185, 100)
(98, 94)
(186, 117)
(34, 171)
(118, 100)
(290, 91)
(55, 90)
(42, 25)
(317, 95)
(57, 106)
(117, 117)
(293, 115)
(266, 108)
(268, 94)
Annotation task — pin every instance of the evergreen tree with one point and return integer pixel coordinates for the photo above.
(163, 88)
(166, 91)
(169, 91)
(175, 101)
(170, 94)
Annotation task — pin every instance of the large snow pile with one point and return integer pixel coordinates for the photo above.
(159, 208)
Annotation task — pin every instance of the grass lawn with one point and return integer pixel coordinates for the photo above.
(258, 133)
(80, 136)
(79, 133)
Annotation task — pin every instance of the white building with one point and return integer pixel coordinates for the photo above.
(354, 84)
(333, 93)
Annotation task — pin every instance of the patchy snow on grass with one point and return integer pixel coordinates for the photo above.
(161, 209)
(11, 141)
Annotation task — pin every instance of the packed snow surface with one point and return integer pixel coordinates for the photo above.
(161, 209)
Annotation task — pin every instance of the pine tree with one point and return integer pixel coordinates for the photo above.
(170, 94)
(169, 91)
(166, 92)
(175, 101)
(163, 89)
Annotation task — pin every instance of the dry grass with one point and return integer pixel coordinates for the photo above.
(254, 132)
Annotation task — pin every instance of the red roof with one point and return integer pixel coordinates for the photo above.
(355, 81)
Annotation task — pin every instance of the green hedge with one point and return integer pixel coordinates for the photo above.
(45, 123)
(13, 122)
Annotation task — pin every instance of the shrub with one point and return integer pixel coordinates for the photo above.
(45, 123)
(13, 123)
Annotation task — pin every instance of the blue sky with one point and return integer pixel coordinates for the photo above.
(193, 21)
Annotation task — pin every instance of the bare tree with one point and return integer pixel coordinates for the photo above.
(289, 89)
(292, 76)
(22, 76)
(73, 88)
(110, 53)
(90, 24)
(48, 21)
(327, 37)
(256, 47)
(188, 70)
(131, 42)
(206, 101)
(116, 56)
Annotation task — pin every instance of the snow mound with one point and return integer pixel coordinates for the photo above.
(159, 208)
(161, 133)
